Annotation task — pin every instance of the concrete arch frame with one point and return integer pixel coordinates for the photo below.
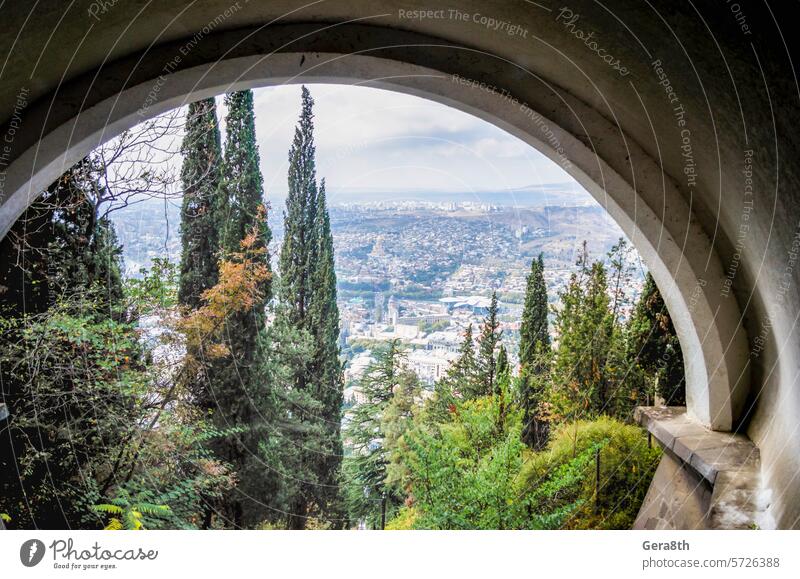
(617, 172)
(77, 73)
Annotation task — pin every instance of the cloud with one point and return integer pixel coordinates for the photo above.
(378, 139)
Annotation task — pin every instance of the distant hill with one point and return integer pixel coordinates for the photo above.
(532, 195)
(554, 220)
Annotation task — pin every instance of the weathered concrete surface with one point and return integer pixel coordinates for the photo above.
(678, 498)
(716, 223)
(706, 479)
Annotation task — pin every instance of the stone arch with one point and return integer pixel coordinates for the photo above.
(593, 148)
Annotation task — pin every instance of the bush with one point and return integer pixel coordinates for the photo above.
(626, 466)
(404, 521)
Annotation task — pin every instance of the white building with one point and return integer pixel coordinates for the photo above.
(428, 366)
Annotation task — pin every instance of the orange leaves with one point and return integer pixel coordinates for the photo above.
(217, 350)
(243, 276)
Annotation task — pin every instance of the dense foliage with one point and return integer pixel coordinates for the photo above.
(549, 446)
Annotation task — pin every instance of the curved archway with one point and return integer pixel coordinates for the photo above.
(591, 147)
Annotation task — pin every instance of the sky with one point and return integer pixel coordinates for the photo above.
(376, 140)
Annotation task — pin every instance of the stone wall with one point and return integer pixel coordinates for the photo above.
(678, 498)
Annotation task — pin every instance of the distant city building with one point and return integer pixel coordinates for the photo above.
(474, 304)
(448, 342)
(429, 367)
(379, 303)
(378, 249)
(393, 308)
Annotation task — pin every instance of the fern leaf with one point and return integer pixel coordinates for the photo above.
(110, 509)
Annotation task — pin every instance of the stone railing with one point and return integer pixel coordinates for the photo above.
(706, 479)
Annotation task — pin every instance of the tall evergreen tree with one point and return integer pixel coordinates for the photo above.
(585, 329)
(487, 359)
(503, 367)
(374, 427)
(502, 387)
(463, 373)
(534, 333)
(232, 384)
(243, 206)
(653, 347)
(201, 217)
(459, 377)
(308, 297)
(298, 238)
(534, 347)
(326, 368)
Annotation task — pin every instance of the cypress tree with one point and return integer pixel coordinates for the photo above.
(298, 220)
(534, 346)
(308, 298)
(200, 210)
(533, 332)
(502, 384)
(295, 289)
(486, 360)
(244, 186)
(240, 397)
(654, 347)
(326, 367)
(503, 367)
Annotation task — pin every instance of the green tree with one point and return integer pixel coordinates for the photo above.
(290, 436)
(486, 361)
(374, 428)
(243, 205)
(502, 385)
(76, 384)
(654, 349)
(201, 216)
(65, 340)
(326, 368)
(534, 353)
(466, 474)
(231, 387)
(459, 378)
(585, 328)
(308, 298)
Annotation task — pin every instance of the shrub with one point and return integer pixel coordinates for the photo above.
(404, 521)
(626, 466)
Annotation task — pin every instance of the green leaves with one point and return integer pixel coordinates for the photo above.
(464, 472)
(155, 290)
(564, 474)
(373, 468)
(131, 514)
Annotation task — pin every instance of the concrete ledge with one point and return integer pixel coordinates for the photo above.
(729, 462)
